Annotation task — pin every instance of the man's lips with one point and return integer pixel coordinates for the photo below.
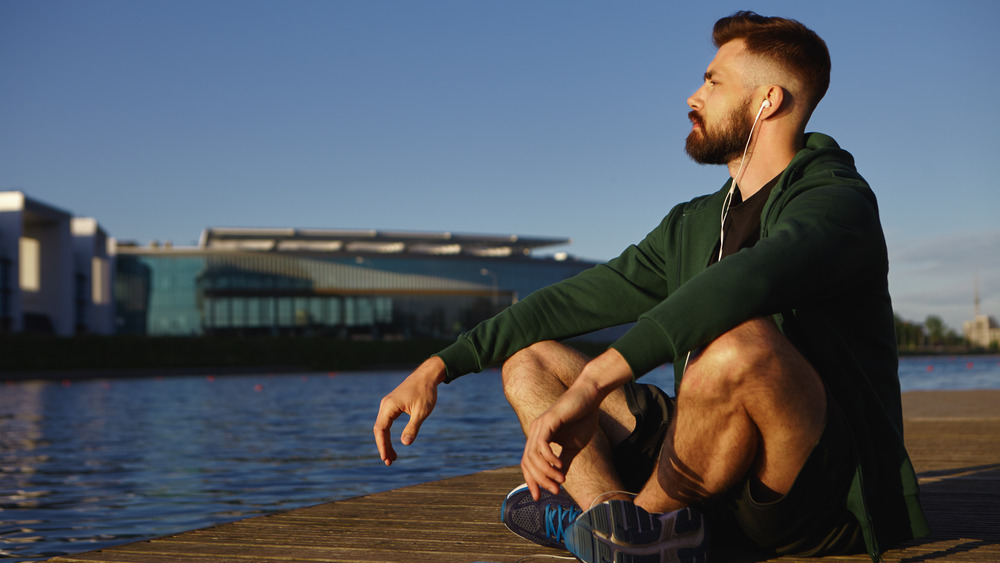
(696, 121)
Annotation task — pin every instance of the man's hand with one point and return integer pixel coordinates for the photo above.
(416, 396)
(570, 422)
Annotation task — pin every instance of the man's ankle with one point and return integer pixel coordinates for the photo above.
(594, 498)
(657, 502)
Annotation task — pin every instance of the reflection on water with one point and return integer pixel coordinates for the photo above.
(89, 464)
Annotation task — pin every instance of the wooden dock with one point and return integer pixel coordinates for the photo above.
(953, 438)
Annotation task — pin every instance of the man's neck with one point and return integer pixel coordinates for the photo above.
(762, 165)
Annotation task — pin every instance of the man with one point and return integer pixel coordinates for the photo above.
(770, 298)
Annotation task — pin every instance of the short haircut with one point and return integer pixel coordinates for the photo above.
(785, 42)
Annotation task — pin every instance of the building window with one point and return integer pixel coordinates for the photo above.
(4, 294)
(99, 287)
(30, 265)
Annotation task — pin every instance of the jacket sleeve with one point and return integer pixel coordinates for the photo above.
(824, 241)
(606, 295)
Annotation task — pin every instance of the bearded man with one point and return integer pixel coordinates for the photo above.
(770, 298)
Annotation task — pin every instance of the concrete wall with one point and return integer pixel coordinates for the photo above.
(54, 296)
(11, 210)
(94, 260)
(41, 285)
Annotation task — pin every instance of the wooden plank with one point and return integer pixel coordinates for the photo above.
(951, 436)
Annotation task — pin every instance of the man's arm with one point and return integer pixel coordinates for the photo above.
(606, 295)
(826, 241)
(568, 308)
(570, 422)
(415, 396)
(574, 306)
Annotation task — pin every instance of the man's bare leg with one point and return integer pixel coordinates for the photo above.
(748, 404)
(538, 375)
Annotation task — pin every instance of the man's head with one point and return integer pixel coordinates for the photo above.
(782, 48)
(759, 58)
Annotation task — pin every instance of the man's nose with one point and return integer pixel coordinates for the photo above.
(694, 101)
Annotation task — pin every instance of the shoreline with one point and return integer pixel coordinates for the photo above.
(88, 373)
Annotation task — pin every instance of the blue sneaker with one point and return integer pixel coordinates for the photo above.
(618, 531)
(543, 521)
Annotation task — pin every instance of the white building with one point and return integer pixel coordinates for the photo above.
(93, 253)
(982, 331)
(56, 271)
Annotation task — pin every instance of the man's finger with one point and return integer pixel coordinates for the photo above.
(383, 439)
(550, 458)
(536, 479)
(412, 428)
(550, 477)
(544, 481)
(543, 475)
(536, 493)
(385, 450)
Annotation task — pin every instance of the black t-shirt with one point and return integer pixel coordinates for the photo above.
(742, 225)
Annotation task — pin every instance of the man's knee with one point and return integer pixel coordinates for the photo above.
(746, 353)
(527, 361)
(543, 360)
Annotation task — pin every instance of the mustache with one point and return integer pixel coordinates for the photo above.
(695, 118)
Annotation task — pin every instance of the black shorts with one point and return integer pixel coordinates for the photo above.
(810, 520)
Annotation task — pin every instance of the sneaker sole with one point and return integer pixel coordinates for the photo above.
(616, 532)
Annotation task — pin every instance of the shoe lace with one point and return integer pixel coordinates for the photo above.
(557, 518)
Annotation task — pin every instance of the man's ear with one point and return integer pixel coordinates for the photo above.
(774, 99)
(781, 101)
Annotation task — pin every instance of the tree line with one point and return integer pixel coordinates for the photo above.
(931, 335)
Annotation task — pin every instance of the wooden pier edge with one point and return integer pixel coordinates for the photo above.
(952, 437)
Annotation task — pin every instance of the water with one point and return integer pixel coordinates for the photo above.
(89, 464)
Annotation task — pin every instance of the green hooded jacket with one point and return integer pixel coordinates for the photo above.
(820, 269)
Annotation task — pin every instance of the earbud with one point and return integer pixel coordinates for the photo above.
(765, 104)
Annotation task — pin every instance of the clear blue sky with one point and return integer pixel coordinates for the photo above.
(549, 118)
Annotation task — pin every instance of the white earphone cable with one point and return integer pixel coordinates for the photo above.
(733, 186)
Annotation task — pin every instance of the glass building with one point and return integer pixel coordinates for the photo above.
(347, 284)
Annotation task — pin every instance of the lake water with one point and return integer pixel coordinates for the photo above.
(89, 464)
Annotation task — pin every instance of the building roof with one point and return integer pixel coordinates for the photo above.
(370, 241)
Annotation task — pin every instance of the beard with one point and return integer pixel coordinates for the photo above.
(726, 144)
